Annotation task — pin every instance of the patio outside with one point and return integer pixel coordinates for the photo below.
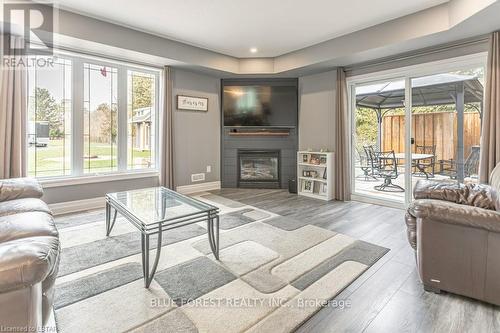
(446, 131)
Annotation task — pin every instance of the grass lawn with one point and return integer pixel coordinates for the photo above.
(55, 159)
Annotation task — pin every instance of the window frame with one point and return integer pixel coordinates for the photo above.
(78, 174)
(29, 133)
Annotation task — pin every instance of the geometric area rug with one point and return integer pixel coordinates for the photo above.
(273, 274)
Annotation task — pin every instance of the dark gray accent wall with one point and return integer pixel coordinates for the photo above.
(287, 145)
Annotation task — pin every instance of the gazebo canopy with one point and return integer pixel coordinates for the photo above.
(440, 89)
(437, 89)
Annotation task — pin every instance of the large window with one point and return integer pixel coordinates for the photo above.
(100, 120)
(87, 117)
(49, 119)
(141, 109)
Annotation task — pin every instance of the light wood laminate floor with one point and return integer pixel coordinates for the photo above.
(388, 297)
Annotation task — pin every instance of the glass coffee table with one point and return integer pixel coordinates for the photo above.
(156, 210)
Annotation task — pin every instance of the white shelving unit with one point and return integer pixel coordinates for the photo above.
(315, 174)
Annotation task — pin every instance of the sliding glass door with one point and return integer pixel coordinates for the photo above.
(446, 112)
(415, 127)
(379, 140)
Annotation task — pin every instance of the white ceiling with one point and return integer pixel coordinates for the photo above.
(232, 27)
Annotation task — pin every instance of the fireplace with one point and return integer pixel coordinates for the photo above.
(259, 168)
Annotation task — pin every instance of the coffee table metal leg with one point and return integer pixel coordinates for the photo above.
(213, 235)
(108, 217)
(110, 224)
(217, 237)
(143, 253)
(149, 274)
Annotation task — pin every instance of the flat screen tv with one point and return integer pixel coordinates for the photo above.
(260, 105)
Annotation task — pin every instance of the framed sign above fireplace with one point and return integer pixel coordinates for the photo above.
(191, 103)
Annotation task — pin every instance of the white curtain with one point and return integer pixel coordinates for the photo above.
(13, 108)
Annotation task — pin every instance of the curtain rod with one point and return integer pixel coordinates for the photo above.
(417, 54)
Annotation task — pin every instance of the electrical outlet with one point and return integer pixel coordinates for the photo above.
(209, 168)
(197, 177)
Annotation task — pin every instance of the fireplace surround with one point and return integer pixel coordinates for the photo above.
(279, 139)
(259, 168)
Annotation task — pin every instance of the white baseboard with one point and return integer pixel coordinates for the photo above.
(202, 187)
(77, 206)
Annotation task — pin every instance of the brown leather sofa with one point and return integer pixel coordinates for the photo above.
(456, 237)
(29, 256)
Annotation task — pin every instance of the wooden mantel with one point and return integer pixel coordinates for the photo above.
(261, 133)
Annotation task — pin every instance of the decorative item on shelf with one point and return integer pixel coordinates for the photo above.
(315, 159)
(309, 173)
(191, 103)
(309, 149)
(307, 186)
(324, 150)
(322, 160)
(323, 189)
(305, 158)
(325, 177)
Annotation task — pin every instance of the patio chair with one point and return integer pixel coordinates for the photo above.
(421, 167)
(362, 163)
(471, 165)
(372, 162)
(387, 169)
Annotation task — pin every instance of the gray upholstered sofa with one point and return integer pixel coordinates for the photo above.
(456, 237)
(29, 256)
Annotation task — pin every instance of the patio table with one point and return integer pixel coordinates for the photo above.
(416, 158)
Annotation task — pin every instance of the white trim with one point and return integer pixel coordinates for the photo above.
(195, 188)
(376, 201)
(90, 179)
(408, 135)
(136, 63)
(77, 206)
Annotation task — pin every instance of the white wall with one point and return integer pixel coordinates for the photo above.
(317, 111)
(196, 134)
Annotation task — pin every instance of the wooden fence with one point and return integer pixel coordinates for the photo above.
(428, 129)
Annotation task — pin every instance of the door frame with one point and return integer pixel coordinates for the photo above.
(407, 73)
